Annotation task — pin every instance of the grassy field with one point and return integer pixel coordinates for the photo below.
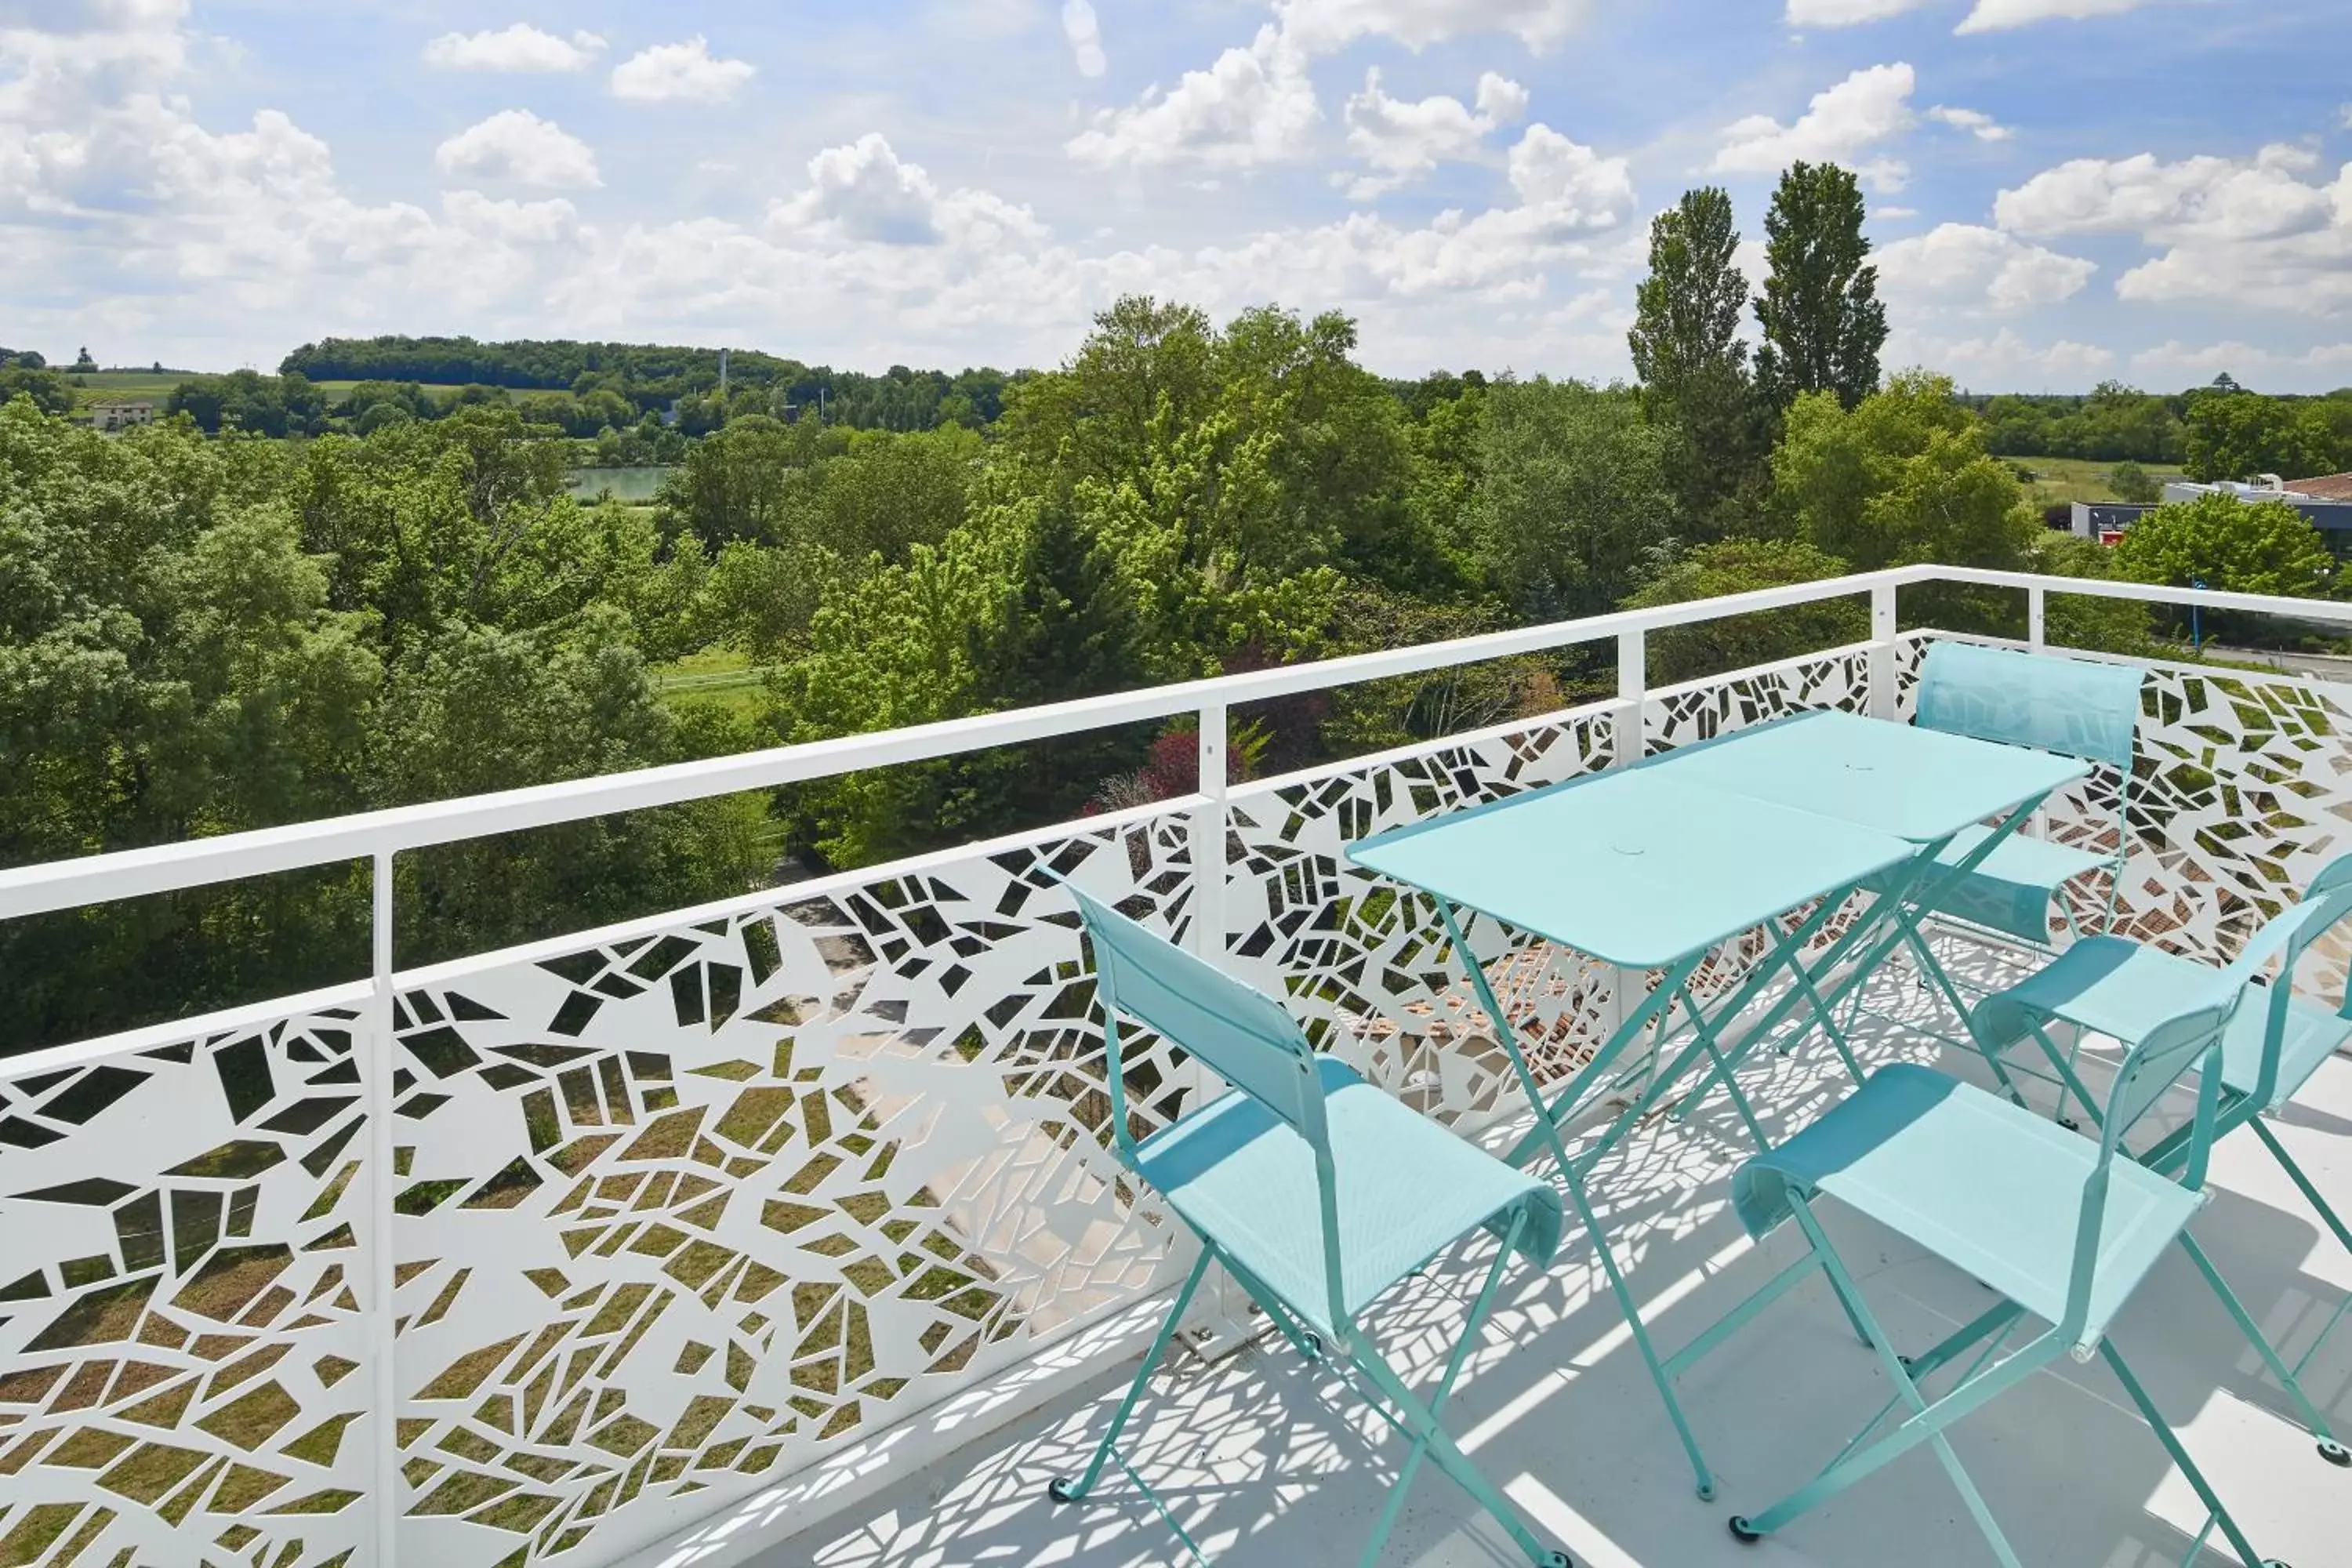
(721, 678)
(2066, 480)
(106, 385)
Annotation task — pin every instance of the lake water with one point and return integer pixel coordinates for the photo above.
(626, 484)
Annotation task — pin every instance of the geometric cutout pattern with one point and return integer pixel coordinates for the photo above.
(180, 1302)
(677, 1206)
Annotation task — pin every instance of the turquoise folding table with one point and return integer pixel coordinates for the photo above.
(1654, 867)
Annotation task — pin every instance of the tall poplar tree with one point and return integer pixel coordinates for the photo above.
(1823, 322)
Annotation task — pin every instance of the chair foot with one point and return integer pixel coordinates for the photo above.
(1740, 1528)
(1707, 1492)
(1557, 1560)
(1062, 1489)
(2336, 1454)
(1312, 1343)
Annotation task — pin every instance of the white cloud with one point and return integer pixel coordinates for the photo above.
(1080, 26)
(2004, 359)
(865, 194)
(2322, 364)
(1844, 121)
(1992, 16)
(682, 72)
(517, 145)
(1319, 27)
(1958, 264)
(1846, 13)
(1895, 212)
(1402, 139)
(1501, 97)
(1253, 106)
(2243, 230)
(1975, 122)
(521, 48)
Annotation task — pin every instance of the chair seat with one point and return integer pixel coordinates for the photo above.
(2011, 890)
(1405, 1190)
(2114, 986)
(1986, 1185)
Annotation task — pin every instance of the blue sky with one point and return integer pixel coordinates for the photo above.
(2060, 190)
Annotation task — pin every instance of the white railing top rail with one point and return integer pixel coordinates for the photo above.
(97, 878)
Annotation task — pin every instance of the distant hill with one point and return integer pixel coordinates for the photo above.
(652, 374)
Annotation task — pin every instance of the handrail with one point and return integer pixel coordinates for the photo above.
(197, 862)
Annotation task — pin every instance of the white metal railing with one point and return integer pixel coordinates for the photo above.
(638, 1220)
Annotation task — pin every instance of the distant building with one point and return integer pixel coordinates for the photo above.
(2326, 487)
(2324, 503)
(121, 413)
(2105, 521)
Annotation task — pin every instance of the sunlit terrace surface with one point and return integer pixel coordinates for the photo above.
(1264, 1460)
(788, 1230)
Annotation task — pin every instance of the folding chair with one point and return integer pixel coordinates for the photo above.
(2058, 1227)
(1317, 1192)
(2275, 1042)
(2071, 706)
(2074, 706)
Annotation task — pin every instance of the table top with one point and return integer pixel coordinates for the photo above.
(1919, 784)
(1638, 868)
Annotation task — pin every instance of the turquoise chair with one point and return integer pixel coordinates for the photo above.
(2074, 706)
(2275, 1042)
(2061, 1228)
(1317, 1192)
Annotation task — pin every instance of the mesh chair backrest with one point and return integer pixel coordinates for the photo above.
(1246, 1037)
(2165, 1053)
(2071, 706)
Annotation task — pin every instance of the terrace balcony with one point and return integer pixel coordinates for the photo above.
(785, 1230)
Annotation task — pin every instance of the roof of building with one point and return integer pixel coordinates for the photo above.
(2326, 487)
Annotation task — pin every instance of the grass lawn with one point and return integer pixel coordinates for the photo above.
(721, 678)
(106, 385)
(2058, 481)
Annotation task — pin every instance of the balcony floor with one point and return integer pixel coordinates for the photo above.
(1267, 1460)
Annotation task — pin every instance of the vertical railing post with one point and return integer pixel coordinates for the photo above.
(1626, 739)
(1210, 828)
(1881, 651)
(378, 1067)
(2037, 618)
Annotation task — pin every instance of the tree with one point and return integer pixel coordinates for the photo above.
(1690, 359)
(1824, 325)
(2264, 547)
(2238, 434)
(83, 365)
(1574, 492)
(49, 389)
(1902, 478)
(1736, 642)
(2134, 484)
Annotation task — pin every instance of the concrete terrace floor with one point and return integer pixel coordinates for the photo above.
(1269, 1460)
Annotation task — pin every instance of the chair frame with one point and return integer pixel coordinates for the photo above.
(2190, 1040)
(1352, 1355)
(2284, 939)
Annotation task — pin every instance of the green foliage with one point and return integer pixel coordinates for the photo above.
(1902, 478)
(2238, 434)
(1824, 325)
(201, 637)
(2114, 422)
(2078, 620)
(2264, 547)
(247, 401)
(49, 389)
(1693, 363)
(1574, 492)
(2134, 484)
(1744, 566)
(602, 385)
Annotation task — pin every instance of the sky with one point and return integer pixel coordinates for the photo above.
(2061, 191)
